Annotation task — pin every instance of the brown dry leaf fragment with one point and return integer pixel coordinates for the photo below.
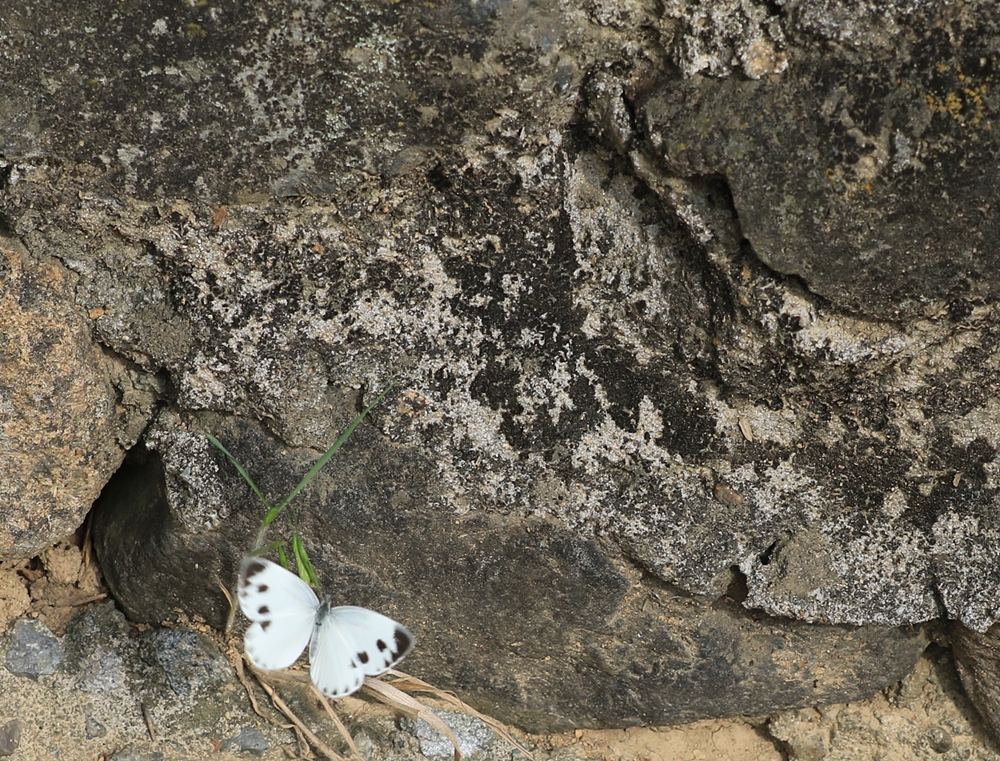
(726, 494)
(219, 216)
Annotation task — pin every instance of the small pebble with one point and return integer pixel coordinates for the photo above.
(10, 737)
(33, 651)
(249, 740)
(939, 739)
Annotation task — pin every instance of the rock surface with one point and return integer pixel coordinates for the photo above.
(99, 689)
(650, 330)
(915, 718)
(58, 419)
(864, 169)
(977, 655)
(562, 632)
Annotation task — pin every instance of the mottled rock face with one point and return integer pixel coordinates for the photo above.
(178, 682)
(528, 621)
(655, 336)
(57, 407)
(866, 170)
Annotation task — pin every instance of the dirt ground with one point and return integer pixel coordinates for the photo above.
(924, 716)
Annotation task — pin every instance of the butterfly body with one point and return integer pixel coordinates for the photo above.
(346, 643)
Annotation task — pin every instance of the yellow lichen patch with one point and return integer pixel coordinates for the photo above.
(967, 105)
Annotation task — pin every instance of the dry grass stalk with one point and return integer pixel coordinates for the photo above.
(410, 683)
(280, 704)
(337, 722)
(411, 707)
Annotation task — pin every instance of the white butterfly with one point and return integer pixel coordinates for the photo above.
(346, 643)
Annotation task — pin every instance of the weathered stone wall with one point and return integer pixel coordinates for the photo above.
(689, 311)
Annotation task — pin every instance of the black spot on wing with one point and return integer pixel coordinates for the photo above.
(263, 609)
(403, 642)
(264, 625)
(251, 569)
(363, 657)
(343, 690)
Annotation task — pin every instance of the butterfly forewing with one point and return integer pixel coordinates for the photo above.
(283, 609)
(351, 643)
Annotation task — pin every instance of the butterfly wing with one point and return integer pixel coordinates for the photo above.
(283, 610)
(351, 643)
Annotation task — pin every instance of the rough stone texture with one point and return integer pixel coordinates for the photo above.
(91, 703)
(58, 418)
(911, 720)
(561, 632)
(612, 326)
(890, 419)
(864, 169)
(977, 656)
(915, 718)
(474, 737)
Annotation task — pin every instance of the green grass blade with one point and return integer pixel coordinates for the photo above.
(301, 558)
(271, 515)
(258, 551)
(242, 471)
(306, 571)
(311, 473)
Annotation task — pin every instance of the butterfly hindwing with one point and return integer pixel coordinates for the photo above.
(333, 668)
(283, 609)
(351, 643)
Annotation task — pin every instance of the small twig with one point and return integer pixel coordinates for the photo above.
(251, 694)
(232, 606)
(283, 707)
(336, 721)
(149, 721)
(242, 676)
(95, 598)
(86, 548)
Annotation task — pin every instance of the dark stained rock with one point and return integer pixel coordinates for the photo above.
(526, 620)
(977, 656)
(633, 369)
(864, 169)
